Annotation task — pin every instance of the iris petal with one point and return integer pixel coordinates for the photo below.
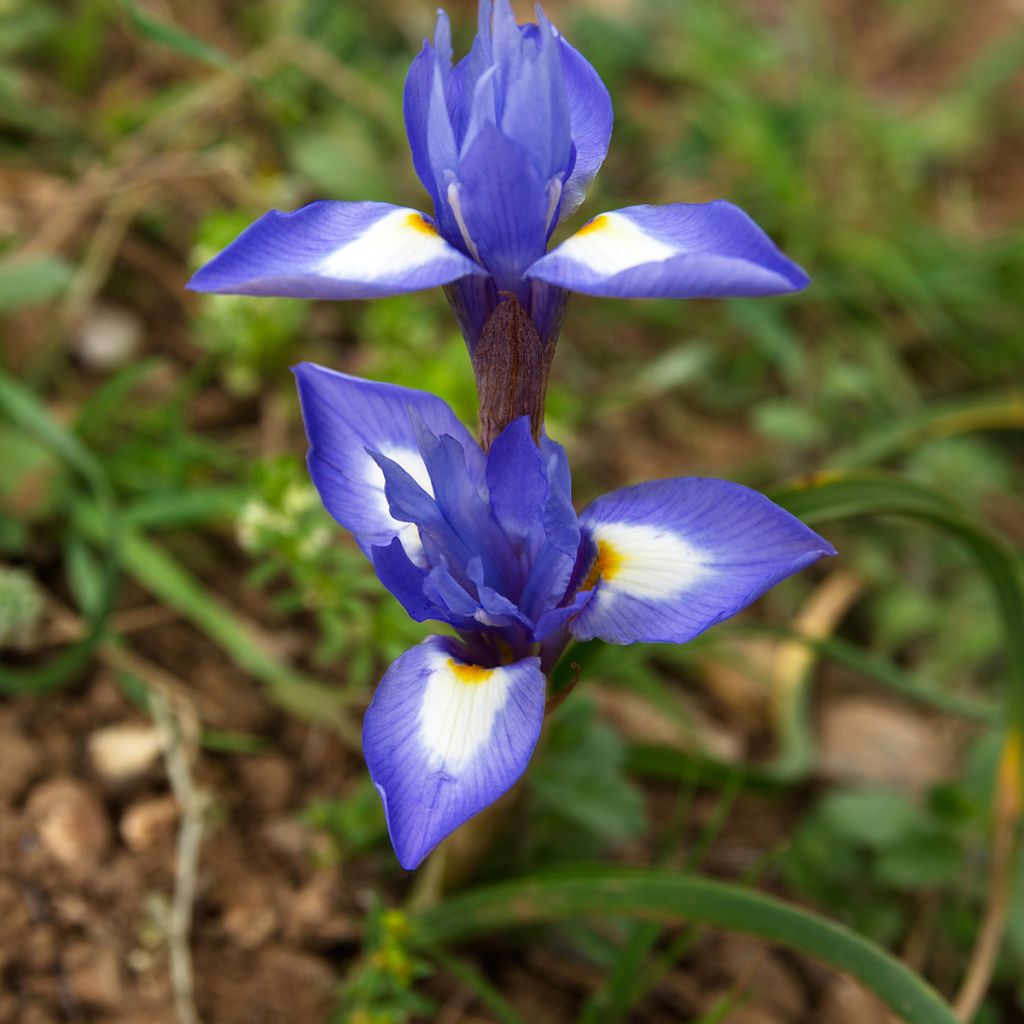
(681, 251)
(672, 557)
(345, 419)
(590, 117)
(331, 250)
(504, 206)
(535, 111)
(443, 738)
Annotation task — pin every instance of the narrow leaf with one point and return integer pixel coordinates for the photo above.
(665, 895)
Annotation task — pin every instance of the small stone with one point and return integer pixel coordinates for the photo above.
(94, 974)
(20, 761)
(288, 837)
(70, 821)
(123, 752)
(313, 914)
(148, 823)
(108, 337)
(868, 741)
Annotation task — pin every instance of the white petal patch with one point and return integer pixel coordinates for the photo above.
(400, 241)
(460, 705)
(646, 562)
(412, 462)
(611, 244)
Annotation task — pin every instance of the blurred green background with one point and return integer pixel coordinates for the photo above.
(158, 535)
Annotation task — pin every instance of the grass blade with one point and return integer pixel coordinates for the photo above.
(665, 895)
(999, 412)
(504, 1012)
(23, 409)
(839, 495)
(165, 578)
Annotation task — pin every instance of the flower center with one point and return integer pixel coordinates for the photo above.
(606, 565)
(420, 223)
(469, 675)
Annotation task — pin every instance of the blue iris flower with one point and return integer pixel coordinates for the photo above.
(491, 545)
(506, 142)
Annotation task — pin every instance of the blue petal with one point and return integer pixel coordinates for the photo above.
(345, 418)
(330, 250)
(553, 565)
(462, 86)
(473, 300)
(535, 110)
(446, 592)
(443, 739)
(674, 557)
(518, 485)
(546, 307)
(416, 97)
(531, 499)
(406, 581)
(681, 251)
(590, 116)
(465, 511)
(504, 205)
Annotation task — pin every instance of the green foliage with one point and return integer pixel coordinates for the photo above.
(253, 340)
(417, 345)
(612, 892)
(299, 554)
(380, 989)
(21, 606)
(581, 799)
(25, 284)
(887, 177)
(354, 822)
(865, 852)
(173, 37)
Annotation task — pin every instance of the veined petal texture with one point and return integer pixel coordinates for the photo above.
(507, 140)
(346, 419)
(680, 251)
(331, 250)
(504, 205)
(590, 124)
(670, 558)
(443, 738)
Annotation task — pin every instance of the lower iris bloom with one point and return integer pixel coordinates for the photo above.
(490, 544)
(506, 142)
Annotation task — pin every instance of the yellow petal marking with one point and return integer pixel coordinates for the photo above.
(597, 224)
(470, 675)
(606, 565)
(420, 223)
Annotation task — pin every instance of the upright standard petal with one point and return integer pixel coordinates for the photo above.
(681, 251)
(331, 250)
(503, 203)
(346, 418)
(673, 557)
(590, 118)
(535, 108)
(443, 738)
(416, 97)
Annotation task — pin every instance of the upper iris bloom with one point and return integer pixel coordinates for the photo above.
(506, 142)
(491, 545)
